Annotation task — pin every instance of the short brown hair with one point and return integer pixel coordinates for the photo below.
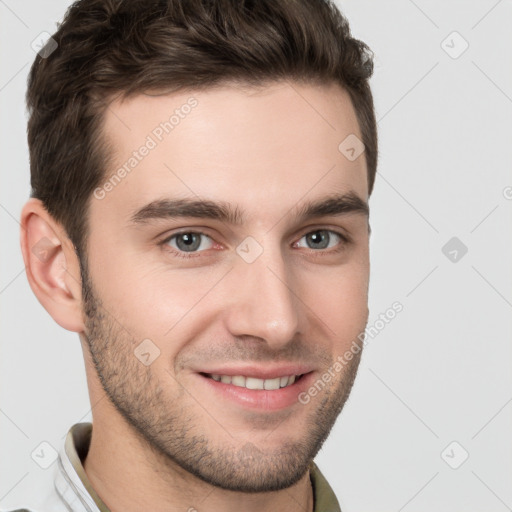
(124, 47)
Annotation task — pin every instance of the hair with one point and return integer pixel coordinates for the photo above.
(111, 48)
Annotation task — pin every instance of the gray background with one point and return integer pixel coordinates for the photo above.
(441, 370)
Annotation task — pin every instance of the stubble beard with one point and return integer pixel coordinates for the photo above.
(171, 431)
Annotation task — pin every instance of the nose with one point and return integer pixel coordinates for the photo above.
(263, 301)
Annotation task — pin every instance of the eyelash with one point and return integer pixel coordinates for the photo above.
(345, 240)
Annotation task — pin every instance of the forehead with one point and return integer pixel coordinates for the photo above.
(263, 145)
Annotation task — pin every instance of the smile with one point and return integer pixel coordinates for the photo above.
(254, 383)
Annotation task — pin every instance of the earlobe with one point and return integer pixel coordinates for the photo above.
(51, 265)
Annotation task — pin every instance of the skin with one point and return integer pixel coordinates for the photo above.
(162, 440)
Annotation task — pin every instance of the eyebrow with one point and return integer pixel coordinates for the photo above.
(332, 205)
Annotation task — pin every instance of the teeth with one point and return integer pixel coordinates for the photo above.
(238, 381)
(272, 383)
(254, 383)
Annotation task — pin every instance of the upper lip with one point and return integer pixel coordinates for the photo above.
(258, 372)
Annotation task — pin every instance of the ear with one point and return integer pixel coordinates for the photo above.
(51, 265)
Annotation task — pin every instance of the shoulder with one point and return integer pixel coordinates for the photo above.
(325, 499)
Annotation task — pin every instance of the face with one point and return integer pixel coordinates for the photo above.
(227, 273)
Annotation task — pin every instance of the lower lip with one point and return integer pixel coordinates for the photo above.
(260, 399)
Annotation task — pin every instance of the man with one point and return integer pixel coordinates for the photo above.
(200, 177)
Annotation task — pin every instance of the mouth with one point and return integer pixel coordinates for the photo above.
(269, 394)
(254, 383)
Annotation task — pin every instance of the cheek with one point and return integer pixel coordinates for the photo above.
(340, 299)
(154, 301)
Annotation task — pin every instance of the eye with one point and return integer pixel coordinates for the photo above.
(323, 239)
(188, 242)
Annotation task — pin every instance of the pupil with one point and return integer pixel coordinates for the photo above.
(188, 241)
(319, 237)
